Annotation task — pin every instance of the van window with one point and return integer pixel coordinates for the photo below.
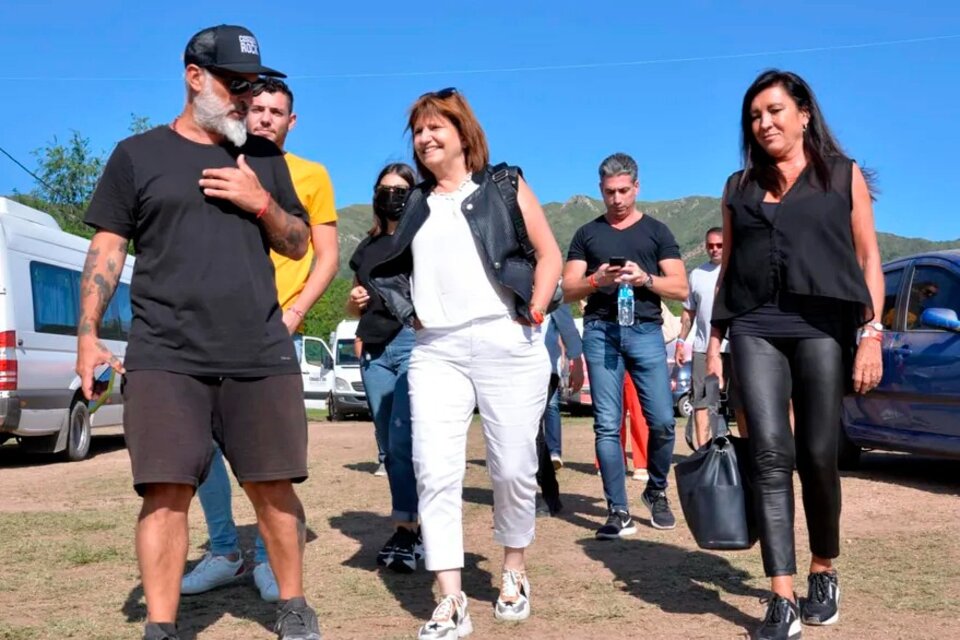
(56, 303)
(346, 356)
(315, 354)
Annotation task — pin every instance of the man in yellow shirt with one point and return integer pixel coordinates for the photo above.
(300, 283)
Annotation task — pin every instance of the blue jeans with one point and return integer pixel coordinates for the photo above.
(551, 424)
(215, 499)
(384, 372)
(609, 349)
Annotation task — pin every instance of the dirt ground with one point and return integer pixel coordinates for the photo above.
(68, 570)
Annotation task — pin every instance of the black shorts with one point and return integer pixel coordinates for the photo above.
(170, 421)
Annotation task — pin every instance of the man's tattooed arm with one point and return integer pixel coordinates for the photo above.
(101, 273)
(288, 235)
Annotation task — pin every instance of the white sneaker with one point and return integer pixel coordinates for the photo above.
(557, 461)
(212, 572)
(381, 471)
(641, 475)
(449, 621)
(266, 582)
(514, 601)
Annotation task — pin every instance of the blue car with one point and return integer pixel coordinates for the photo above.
(916, 407)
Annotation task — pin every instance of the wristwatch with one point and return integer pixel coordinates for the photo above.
(648, 282)
(876, 326)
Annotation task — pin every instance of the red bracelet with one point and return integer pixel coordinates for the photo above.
(266, 206)
(592, 281)
(876, 336)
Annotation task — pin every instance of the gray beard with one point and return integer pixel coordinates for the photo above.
(212, 115)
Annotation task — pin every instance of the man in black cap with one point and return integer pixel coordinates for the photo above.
(208, 356)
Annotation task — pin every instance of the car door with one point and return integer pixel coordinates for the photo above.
(874, 417)
(927, 359)
(316, 367)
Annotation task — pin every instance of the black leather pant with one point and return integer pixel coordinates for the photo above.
(769, 371)
(546, 475)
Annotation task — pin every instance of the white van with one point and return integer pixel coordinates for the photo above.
(41, 405)
(316, 367)
(347, 396)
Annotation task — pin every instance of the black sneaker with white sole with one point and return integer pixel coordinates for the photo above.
(404, 558)
(619, 524)
(822, 604)
(782, 621)
(296, 621)
(661, 517)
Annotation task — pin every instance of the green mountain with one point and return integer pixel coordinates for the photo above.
(688, 219)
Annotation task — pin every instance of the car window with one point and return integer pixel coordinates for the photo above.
(932, 287)
(891, 287)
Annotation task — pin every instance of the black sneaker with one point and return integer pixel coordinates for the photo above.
(386, 553)
(418, 545)
(822, 604)
(782, 621)
(661, 517)
(619, 524)
(161, 631)
(404, 558)
(296, 621)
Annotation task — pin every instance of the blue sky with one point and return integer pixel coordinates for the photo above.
(555, 84)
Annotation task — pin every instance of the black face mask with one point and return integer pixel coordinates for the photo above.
(388, 202)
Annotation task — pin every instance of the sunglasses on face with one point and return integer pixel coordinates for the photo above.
(393, 189)
(714, 245)
(236, 85)
(443, 94)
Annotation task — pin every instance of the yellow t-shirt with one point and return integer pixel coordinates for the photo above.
(312, 184)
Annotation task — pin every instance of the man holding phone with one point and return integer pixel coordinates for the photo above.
(626, 245)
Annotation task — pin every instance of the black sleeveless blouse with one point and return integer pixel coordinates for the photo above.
(803, 251)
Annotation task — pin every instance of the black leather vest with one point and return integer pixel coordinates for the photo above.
(806, 249)
(491, 225)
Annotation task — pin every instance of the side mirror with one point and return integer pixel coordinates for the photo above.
(937, 318)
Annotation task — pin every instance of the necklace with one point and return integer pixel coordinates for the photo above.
(460, 187)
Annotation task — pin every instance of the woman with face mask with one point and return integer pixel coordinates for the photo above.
(385, 352)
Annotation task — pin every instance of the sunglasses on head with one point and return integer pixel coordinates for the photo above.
(236, 85)
(443, 94)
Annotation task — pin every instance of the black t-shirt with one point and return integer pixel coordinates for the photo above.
(203, 292)
(377, 325)
(645, 242)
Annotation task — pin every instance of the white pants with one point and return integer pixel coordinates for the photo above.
(503, 368)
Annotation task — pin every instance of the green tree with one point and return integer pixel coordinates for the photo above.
(329, 309)
(68, 173)
(139, 124)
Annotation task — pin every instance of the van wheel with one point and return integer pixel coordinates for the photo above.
(78, 432)
(333, 411)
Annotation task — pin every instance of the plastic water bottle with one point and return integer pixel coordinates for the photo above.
(625, 304)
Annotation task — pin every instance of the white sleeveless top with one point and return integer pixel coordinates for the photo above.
(450, 285)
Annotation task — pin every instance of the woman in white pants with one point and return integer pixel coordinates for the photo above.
(477, 305)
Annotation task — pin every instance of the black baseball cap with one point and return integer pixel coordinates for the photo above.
(227, 47)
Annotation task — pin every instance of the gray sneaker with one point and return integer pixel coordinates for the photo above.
(297, 621)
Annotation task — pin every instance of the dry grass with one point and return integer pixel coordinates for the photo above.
(67, 567)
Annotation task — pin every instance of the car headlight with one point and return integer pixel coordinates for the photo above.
(341, 385)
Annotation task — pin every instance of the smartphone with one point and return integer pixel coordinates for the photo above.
(103, 377)
(617, 261)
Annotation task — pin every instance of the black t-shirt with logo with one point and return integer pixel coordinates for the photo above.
(646, 242)
(377, 325)
(203, 292)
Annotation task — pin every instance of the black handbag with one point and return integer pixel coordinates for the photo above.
(714, 488)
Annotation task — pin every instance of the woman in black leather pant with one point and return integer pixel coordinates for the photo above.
(800, 285)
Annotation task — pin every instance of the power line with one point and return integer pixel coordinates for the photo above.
(32, 174)
(528, 69)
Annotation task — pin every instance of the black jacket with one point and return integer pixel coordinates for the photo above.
(491, 224)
